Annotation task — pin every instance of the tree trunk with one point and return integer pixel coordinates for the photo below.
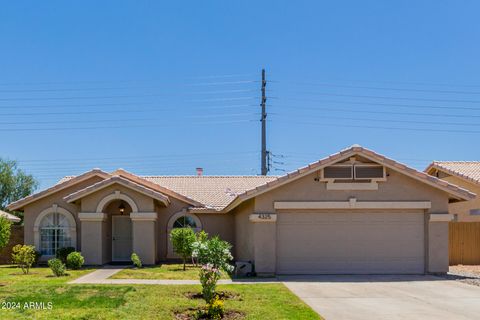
(184, 264)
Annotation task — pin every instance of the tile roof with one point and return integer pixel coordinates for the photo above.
(452, 189)
(469, 170)
(9, 216)
(213, 191)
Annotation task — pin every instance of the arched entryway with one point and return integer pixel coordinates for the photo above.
(119, 230)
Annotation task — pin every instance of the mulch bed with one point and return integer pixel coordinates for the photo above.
(191, 314)
(222, 295)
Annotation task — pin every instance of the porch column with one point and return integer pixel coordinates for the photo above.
(144, 236)
(438, 243)
(264, 242)
(92, 237)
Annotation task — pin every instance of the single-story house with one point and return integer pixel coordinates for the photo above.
(354, 212)
(465, 174)
(10, 217)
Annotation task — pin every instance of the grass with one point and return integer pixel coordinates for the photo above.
(257, 301)
(162, 272)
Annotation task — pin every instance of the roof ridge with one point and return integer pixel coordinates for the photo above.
(207, 176)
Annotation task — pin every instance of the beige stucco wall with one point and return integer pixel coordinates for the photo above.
(90, 202)
(31, 211)
(462, 209)
(398, 187)
(243, 231)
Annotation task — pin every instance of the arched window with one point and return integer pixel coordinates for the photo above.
(54, 233)
(185, 222)
(181, 219)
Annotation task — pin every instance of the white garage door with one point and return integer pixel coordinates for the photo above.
(350, 243)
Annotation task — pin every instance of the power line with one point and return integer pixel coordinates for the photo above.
(413, 106)
(383, 88)
(391, 120)
(129, 119)
(119, 111)
(383, 112)
(389, 98)
(118, 126)
(385, 128)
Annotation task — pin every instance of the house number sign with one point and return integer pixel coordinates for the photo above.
(264, 216)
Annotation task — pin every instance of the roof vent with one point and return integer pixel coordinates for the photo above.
(199, 172)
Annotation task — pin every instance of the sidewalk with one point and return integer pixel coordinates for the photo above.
(101, 276)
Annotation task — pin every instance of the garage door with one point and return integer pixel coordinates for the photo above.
(350, 243)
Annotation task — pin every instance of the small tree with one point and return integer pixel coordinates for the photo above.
(214, 255)
(5, 226)
(214, 252)
(24, 256)
(182, 241)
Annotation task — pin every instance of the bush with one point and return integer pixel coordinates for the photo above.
(38, 255)
(182, 241)
(75, 260)
(136, 260)
(214, 310)
(5, 226)
(62, 253)
(215, 252)
(23, 256)
(57, 266)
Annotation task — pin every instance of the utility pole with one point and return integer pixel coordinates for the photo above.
(264, 126)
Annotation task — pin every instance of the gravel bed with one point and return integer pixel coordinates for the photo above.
(466, 274)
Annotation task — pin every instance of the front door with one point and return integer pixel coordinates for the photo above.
(121, 238)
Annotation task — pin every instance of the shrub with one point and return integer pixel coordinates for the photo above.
(75, 260)
(23, 256)
(214, 310)
(5, 226)
(182, 241)
(215, 252)
(62, 253)
(57, 266)
(38, 255)
(136, 260)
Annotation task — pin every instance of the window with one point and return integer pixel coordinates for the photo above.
(185, 222)
(54, 233)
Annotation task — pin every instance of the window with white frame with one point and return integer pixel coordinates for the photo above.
(54, 233)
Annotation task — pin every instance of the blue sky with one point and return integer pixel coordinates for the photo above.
(163, 87)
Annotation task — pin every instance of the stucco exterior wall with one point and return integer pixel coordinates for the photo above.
(32, 210)
(243, 250)
(90, 202)
(462, 209)
(398, 187)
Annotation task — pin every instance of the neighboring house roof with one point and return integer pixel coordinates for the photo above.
(117, 180)
(468, 170)
(9, 216)
(456, 191)
(59, 186)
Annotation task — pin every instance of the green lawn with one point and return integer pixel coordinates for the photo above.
(256, 301)
(162, 272)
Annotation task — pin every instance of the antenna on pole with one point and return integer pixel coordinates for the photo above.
(265, 161)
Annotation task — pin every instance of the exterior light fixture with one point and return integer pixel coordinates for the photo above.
(121, 208)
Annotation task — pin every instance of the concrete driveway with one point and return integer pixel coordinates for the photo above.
(387, 297)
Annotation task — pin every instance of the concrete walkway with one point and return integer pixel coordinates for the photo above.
(101, 276)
